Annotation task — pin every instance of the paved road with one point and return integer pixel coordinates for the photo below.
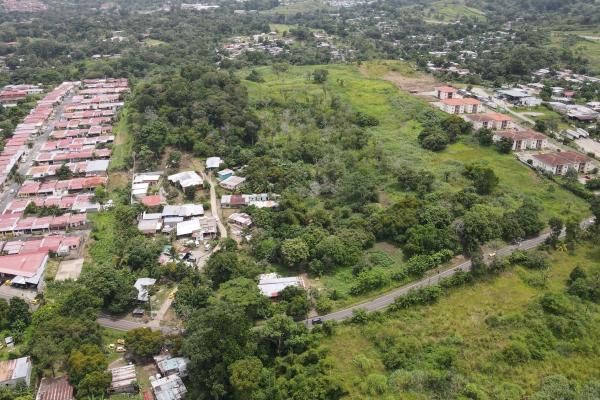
(125, 325)
(378, 303)
(387, 299)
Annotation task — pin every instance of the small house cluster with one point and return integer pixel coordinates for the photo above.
(271, 43)
(168, 385)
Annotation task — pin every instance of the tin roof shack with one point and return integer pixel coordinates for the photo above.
(14, 371)
(142, 285)
(124, 380)
(169, 388)
(232, 183)
(272, 284)
(241, 220)
(55, 389)
(168, 365)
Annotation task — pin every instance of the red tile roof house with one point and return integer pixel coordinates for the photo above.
(445, 92)
(461, 106)
(492, 121)
(559, 163)
(523, 140)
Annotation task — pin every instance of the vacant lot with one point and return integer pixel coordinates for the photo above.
(365, 89)
(458, 320)
(70, 269)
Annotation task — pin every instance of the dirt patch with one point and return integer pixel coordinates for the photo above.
(417, 83)
(69, 270)
(118, 180)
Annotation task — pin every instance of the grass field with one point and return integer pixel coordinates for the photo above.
(364, 90)
(297, 7)
(452, 10)
(397, 133)
(581, 42)
(461, 316)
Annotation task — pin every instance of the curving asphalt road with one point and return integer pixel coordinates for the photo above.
(376, 304)
(387, 299)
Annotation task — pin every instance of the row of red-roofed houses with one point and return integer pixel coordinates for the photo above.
(78, 203)
(96, 130)
(77, 143)
(56, 244)
(56, 187)
(88, 168)
(16, 145)
(16, 225)
(62, 157)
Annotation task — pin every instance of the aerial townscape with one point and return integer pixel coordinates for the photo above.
(299, 199)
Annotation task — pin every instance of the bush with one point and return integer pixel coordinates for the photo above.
(425, 295)
(375, 384)
(516, 353)
(370, 280)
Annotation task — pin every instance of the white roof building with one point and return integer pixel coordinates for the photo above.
(186, 179)
(213, 162)
(272, 284)
(96, 166)
(142, 285)
(168, 388)
(183, 210)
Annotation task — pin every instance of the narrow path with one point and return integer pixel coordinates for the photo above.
(214, 204)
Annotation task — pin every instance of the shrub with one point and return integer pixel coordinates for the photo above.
(370, 280)
(516, 353)
(375, 384)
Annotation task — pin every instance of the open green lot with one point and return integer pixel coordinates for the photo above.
(584, 42)
(452, 10)
(396, 136)
(459, 321)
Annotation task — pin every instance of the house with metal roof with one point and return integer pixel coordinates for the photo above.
(124, 380)
(168, 388)
(168, 365)
(186, 179)
(12, 372)
(55, 389)
(142, 285)
(272, 284)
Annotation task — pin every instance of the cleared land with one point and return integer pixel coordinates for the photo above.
(458, 322)
(70, 269)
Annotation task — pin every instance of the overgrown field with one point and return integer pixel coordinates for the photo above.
(464, 338)
(396, 137)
